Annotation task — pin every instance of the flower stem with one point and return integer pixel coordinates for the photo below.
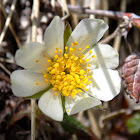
(2, 35)
(32, 119)
(34, 17)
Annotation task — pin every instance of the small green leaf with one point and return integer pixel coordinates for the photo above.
(67, 33)
(133, 124)
(71, 125)
(101, 107)
(39, 94)
(63, 102)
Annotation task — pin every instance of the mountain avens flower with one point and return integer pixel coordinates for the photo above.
(80, 72)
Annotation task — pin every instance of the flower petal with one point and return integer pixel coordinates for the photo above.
(105, 56)
(106, 84)
(87, 33)
(53, 36)
(51, 105)
(79, 103)
(27, 55)
(24, 83)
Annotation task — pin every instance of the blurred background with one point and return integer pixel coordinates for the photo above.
(118, 119)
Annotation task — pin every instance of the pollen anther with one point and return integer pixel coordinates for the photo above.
(90, 51)
(67, 73)
(60, 51)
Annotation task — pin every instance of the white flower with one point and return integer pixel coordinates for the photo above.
(77, 71)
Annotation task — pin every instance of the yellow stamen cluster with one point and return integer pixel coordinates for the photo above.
(66, 72)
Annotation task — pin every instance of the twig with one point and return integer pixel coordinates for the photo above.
(34, 16)
(94, 126)
(114, 114)
(102, 13)
(5, 78)
(92, 6)
(74, 15)
(7, 60)
(10, 26)
(7, 21)
(128, 45)
(106, 13)
(65, 17)
(110, 37)
(64, 6)
(117, 39)
(65, 11)
(42, 131)
(104, 4)
(5, 69)
(86, 10)
(122, 28)
(80, 115)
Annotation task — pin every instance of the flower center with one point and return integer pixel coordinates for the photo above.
(68, 73)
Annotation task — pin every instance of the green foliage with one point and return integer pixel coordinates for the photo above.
(63, 102)
(101, 107)
(133, 124)
(67, 33)
(71, 125)
(39, 94)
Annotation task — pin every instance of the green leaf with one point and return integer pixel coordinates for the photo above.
(101, 107)
(67, 33)
(133, 124)
(39, 94)
(71, 125)
(63, 102)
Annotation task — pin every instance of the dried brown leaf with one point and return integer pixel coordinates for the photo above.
(137, 22)
(131, 76)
